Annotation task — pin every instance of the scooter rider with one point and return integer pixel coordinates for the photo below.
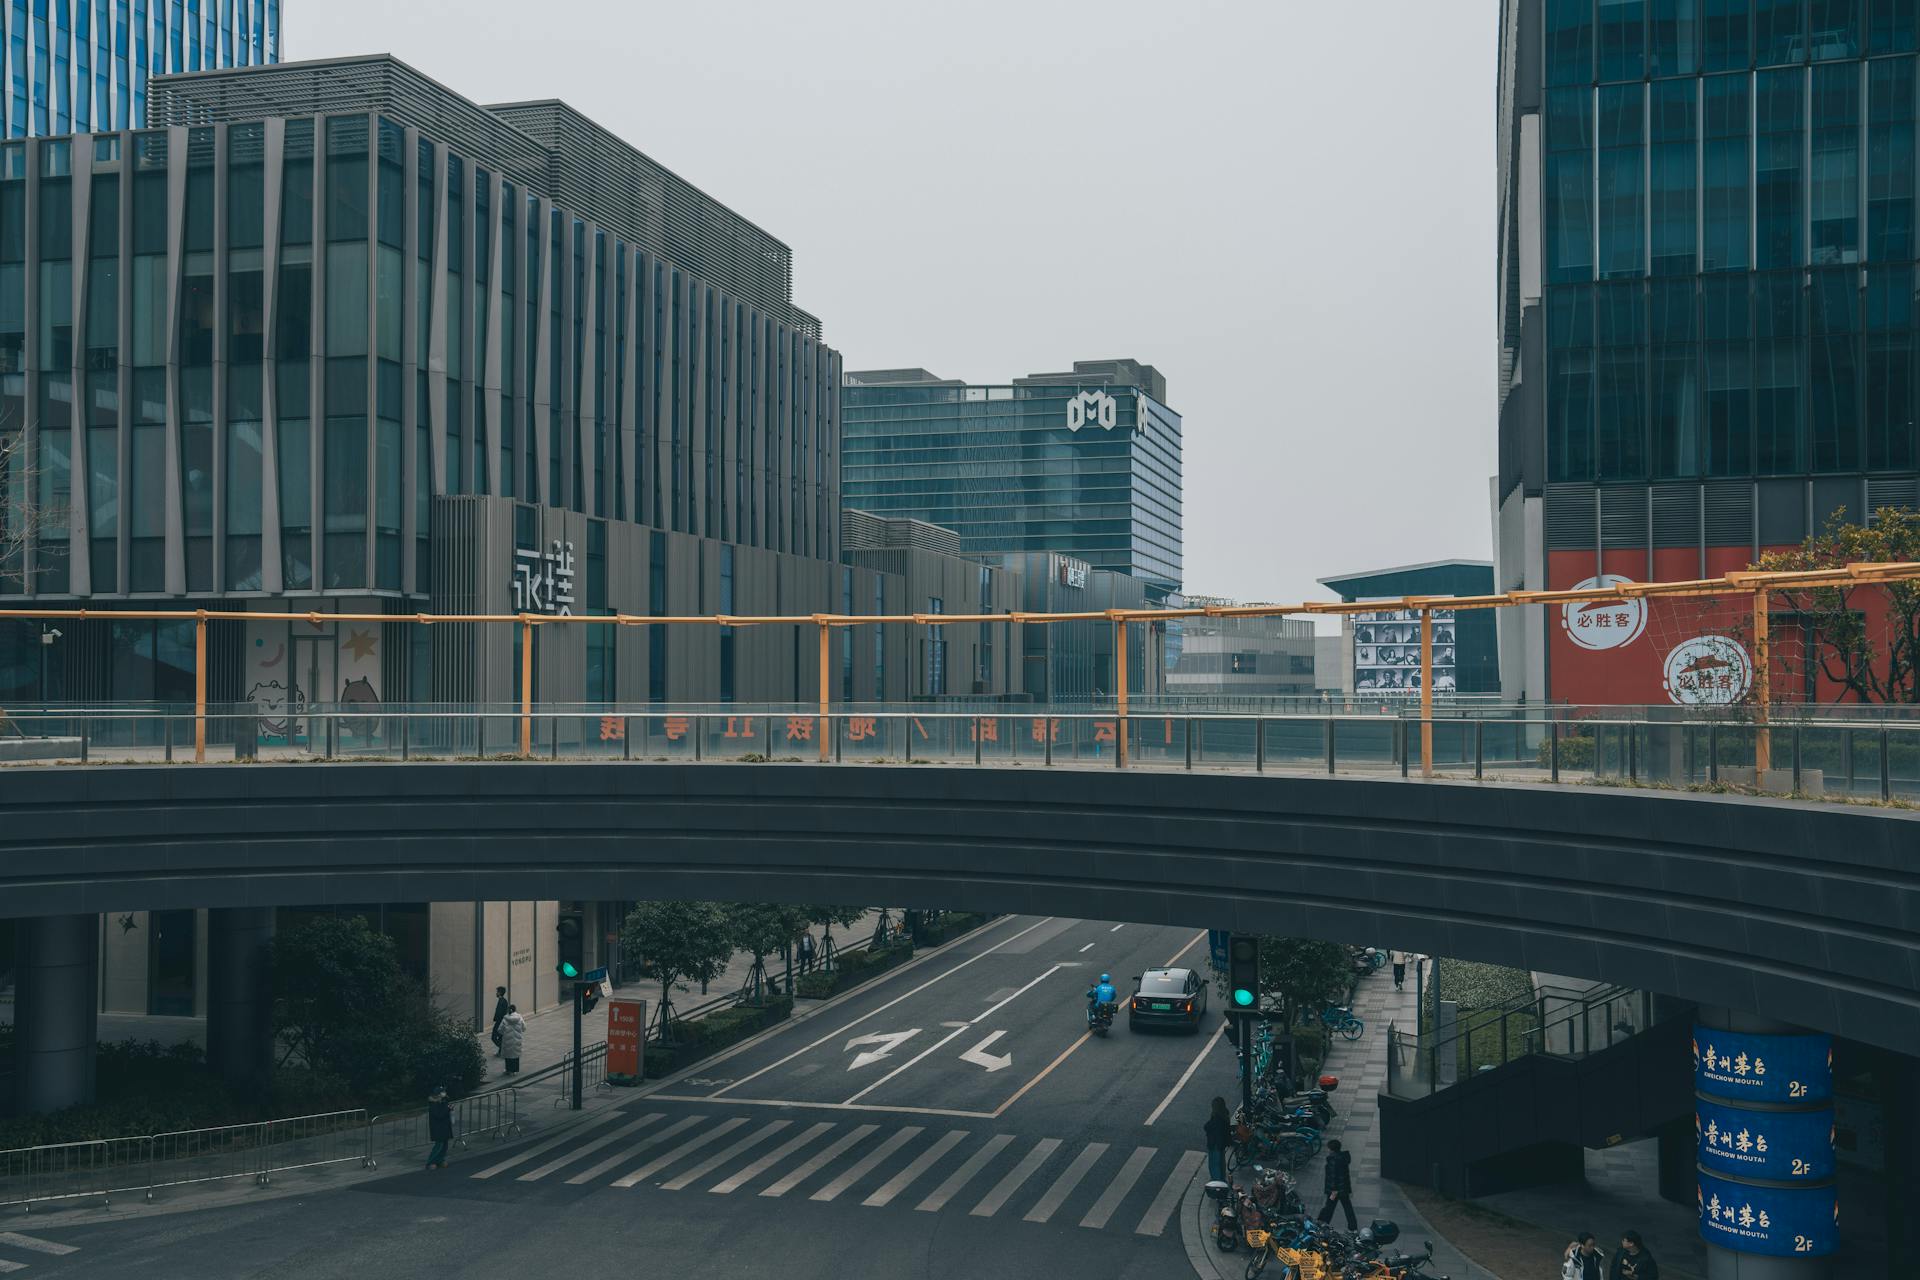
(1101, 993)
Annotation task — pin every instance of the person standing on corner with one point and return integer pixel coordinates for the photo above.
(1340, 1185)
(807, 949)
(1635, 1260)
(513, 1038)
(500, 1007)
(1219, 1131)
(1399, 961)
(439, 1126)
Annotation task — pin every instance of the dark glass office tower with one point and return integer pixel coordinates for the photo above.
(1706, 291)
(1084, 463)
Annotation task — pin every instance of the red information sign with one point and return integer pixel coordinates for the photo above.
(626, 1037)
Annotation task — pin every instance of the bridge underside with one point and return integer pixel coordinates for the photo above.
(1809, 913)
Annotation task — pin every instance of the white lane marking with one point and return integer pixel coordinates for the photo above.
(921, 1163)
(1187, 1075)
(711, 1163)
(1086, 948)
(964, 1174)
(834, 1035)
(6, 1266)
(1196, 940)
(686, 1148)
(1117, 928)
(888, 1042)
(951, 1034)
(541, 1148)
(591, 1147)
(979, 1056)
(866, 1163)
(1164, 1204)
(1029, 1164)
(620, 1157)
(819, 1162)
(34, 1244)
(766, 1162)
(1063, 1186)
(1117, 1189)
(796, 1104)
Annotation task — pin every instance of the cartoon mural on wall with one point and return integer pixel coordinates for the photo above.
(295, 663)
(273, 685)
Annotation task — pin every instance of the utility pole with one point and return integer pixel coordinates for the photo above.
(579, 999)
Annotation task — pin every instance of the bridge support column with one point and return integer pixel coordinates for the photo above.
(240, 996)
(56, 1024)
(1731, 1264)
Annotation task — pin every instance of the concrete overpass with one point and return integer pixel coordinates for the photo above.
(1806, 913)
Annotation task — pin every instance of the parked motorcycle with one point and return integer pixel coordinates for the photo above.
(1226, 1219)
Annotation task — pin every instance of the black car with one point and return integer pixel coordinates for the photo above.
(1167, 998)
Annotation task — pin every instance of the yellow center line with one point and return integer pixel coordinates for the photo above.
(1022, 1092)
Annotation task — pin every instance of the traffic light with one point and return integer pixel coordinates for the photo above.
(589, 997)
(573, 937)
(1243, 971)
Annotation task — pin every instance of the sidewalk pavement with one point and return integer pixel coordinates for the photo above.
(1362, 1067)
(550, 1031)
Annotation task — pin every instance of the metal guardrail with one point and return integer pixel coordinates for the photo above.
(495, 1114)
(106, 1167)
(1557, 1022)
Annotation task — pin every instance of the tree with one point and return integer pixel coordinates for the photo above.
(1848, 647)
(827, 917)
(332, 978)
(761, 929)
(1302, 974)
(677, 942)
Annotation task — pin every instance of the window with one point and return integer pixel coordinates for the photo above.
(1620, 396)
(1674, 30)
(1621, 160)
(1778, 355)
(1569, 41)
(1890, 163)
(1834, 345)
(1672, 129)
(1622, 39)
(1778, 33)
(1889, 419)
(1569, 184)
(1778, 142)
(1675, 380)
(1724, 162)
(1570, 382)
(1834, 180)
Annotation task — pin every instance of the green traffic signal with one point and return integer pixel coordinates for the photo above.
(1242, 997)
(567, 970)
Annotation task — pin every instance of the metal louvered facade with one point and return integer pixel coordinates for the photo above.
(80, 65)
(546, 147)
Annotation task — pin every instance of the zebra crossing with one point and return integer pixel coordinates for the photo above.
(13, 1242)
(1098, 1185)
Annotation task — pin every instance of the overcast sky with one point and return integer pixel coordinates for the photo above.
(1287, 206)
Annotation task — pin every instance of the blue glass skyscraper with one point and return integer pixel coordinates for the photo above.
(73, 66)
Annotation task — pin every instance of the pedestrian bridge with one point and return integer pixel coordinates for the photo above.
(1808, 912)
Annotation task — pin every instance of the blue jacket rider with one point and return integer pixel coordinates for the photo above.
(1102, 993)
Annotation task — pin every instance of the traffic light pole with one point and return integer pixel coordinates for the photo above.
(579, 997)
(1244, 1028)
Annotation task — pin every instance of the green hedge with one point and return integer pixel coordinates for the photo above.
(950, 926)
(850, 969)
(698, 1038)
(1576, 751)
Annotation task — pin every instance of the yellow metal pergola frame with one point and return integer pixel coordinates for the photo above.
(1757, 584)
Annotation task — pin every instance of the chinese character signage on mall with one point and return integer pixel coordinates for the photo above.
(1604, 624)
(1779, 1146)
(1071, 572)
(1759, 1068)
(1782, 1222)
(543, 580)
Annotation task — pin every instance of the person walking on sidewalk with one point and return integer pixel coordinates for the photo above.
(513, 1038)
(1219, 1130)
(1399, 959)
(1635, 1260)
(1339, 1185)
(500, 1008)
(807, 950)
(439, 1126)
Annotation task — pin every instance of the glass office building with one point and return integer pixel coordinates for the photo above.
(1085, 464)
(77, 65)
(1707, 255)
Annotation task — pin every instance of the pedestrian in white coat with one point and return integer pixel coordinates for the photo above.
(513, 1037)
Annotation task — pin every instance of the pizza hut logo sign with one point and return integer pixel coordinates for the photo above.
(1708, 671)
(1092, 409)
(1604, 624)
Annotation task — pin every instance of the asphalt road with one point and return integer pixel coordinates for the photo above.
(950, 1120)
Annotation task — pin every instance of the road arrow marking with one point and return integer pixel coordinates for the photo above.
(888, 1042)
(979, 1056)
